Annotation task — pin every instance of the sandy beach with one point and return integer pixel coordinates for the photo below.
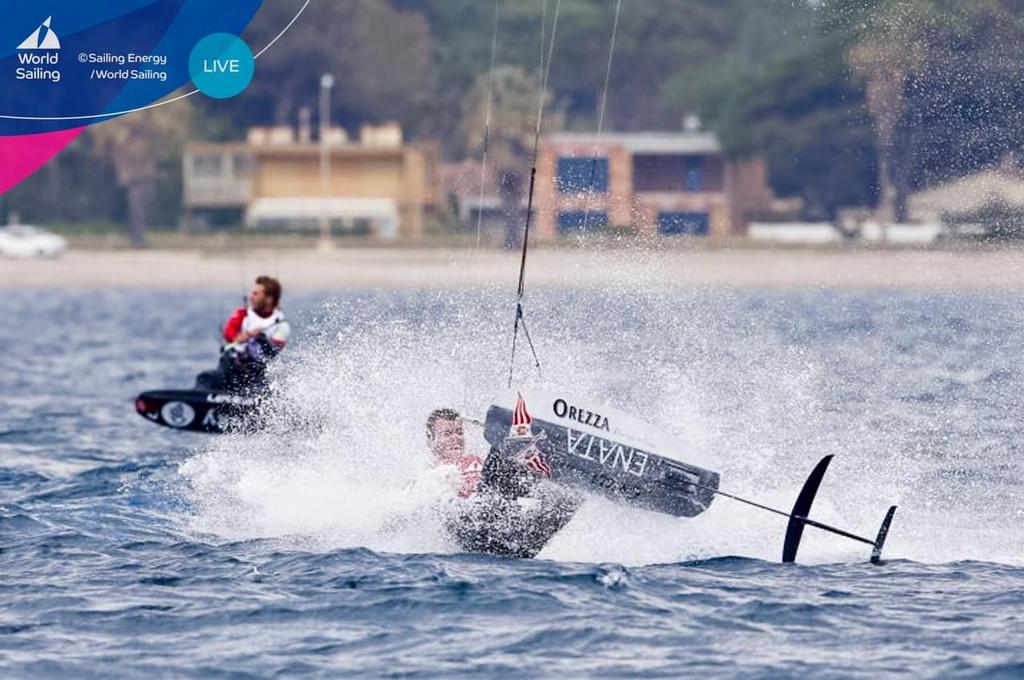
(451, 268)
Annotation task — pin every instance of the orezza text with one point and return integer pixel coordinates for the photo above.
(580, 415)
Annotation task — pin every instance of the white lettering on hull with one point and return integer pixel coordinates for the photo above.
(609, 454)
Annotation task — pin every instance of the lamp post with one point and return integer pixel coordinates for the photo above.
(326, 83)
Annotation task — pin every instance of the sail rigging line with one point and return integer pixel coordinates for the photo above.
(487, 121)
(546, 72)
(600, 117)
(241, 265)
(546, 69)
(521, 321)
(543, 30)
(521, 288)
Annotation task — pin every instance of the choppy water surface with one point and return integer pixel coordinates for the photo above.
(131, 550)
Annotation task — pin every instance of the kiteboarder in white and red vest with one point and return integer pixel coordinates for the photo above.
(254, 334)
(261, 317)
(510, 506)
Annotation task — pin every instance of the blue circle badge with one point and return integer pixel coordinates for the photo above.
(221, 65)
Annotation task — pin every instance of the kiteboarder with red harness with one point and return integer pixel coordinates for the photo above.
(530, 484)
(507, 504)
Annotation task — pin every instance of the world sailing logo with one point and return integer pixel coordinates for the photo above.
(38, 51)
(43, 38)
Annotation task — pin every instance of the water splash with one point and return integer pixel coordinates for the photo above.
(764, 383)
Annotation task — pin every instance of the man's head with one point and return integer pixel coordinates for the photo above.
(266, 294)
(445, 435)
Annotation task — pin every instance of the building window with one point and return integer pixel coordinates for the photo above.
(678, 173)
(694, 174)
(207, 165)
(683, 223)
(580, 222)
(242, 164)
(584, 173)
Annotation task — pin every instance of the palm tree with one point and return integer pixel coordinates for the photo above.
(135, 143)
(509, 137)
(886, 61)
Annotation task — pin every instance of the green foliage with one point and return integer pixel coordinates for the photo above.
(380, 56)
(514, 101)
(804, 115)
(963, 108)
(772, 77)
(74, 186)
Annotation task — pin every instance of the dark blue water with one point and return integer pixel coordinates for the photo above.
(128, 550)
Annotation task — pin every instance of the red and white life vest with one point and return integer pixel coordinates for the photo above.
(275, 327)
(470, 469)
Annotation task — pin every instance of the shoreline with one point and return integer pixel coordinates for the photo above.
(577, 268)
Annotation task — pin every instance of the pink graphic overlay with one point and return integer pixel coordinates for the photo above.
(21, 155)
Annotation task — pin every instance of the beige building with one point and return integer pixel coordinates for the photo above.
(376, 187)
(1002, 185)
(668, 183)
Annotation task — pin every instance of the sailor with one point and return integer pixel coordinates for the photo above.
(254, 335)
(446, 437)
(262, 316)
(506, 503)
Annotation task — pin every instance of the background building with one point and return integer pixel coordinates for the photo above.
(668, 183)
(994, 188)
(474, 205)
(377, 187)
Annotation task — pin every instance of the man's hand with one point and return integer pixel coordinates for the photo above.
(530, 455)
(247, 336)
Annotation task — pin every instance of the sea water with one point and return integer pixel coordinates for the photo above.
(128, 550)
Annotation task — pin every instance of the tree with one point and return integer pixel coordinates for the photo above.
(515, 98)
(963, 108)
(380, 58)
(135, 144)
(882, 97)
(804, 115)
(514, 101)
(942, 84)
(886, 57)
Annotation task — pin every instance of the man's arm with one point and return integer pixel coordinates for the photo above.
(233, 328)
(505, 477)
(278, 334)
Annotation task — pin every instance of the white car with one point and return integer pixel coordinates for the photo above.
(21, 240)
